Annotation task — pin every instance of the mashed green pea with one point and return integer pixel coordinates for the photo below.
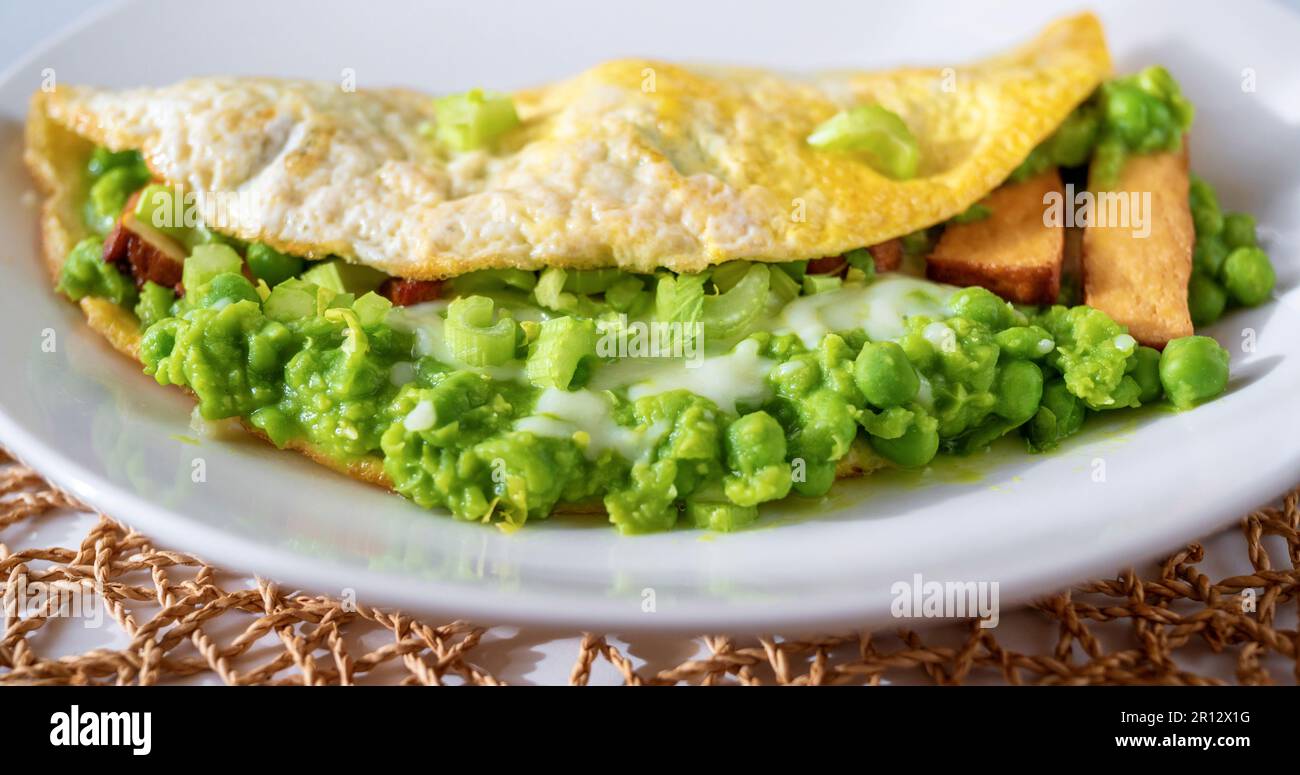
(155, 303)
(756, 456)
(958, 359)
(1140, 113)
(1092, 354)
(85, 273)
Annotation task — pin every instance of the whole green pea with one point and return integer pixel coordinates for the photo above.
(1019, 389)
(1209, 255)
(812, 479)
(267, 263)
(1158, 82)
(1193, 369)
(1206, 215)
(1025, 342)
(885, 375)
(1206, 299)
(983, 306)
(1248, 276)
(1239, 230)
(1059, 416)
(1126, 110)
(911, 450)
(1146, 372)
(1161, 124)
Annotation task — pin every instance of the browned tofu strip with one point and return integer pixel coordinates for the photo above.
(1012, 252)
(1141, 281)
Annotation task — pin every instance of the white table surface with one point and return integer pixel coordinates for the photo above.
(541, 657)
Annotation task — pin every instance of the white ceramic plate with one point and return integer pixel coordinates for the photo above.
(90, 420)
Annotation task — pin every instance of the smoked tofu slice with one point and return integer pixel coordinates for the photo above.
(1012, 252)
(1137, 270)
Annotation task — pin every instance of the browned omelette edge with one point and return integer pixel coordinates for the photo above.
(56, 156)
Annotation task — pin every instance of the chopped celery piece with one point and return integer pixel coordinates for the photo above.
(475, 119)
(338, 275)
(267, 263)
(549, 290)
(680, 298)
(531, 329)
(157, 207)
(591, 280)
(783, 285)
(877, 133)
(472, 336)
(725, 276)
(371, 308)
(820, 283)
(795, 269)
(624, 294)
(731, 314)
(208, 261)
(561, 343)
(494, 279)
(291, 300)
(862, 260)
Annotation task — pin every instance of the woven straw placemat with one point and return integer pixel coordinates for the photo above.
(182, 619)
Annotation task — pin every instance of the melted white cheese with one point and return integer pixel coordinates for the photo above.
(740, 376)
(880, 308)
(941, 336)
(588, 417)
(402, 373)
(420, 418)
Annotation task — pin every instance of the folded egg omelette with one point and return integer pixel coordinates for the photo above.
(635, 165)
